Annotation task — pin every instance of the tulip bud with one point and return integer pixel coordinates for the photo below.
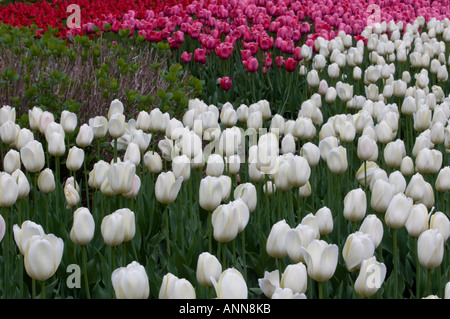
(75, 158)
(367, 148)
(288, 144)
(210, 193)
(130, 282)
(355, 205)
(295, 277)
(276, 242)
(112, 229)
(167, 187)
(371, 276)
(417, 221)
(32, 156)
(173, 287)
(420, 191)
(83, 227)
(225, 223)
(299, 237)
(407, 166)
(153, 162)
(207, 266)
(233, 164)
(373, 227)
(71, 192)
(121, 176)
(300, 171)
(85, 136)
(43, 255)
(56, 144)
(9, 190)
(398, 211)
(215, 165)
(441, 222)
(116, 125)
(324, 219)
(231, 285)
(382, 193)
(358, 247)
(428, 161)
(394, 153)
(247, 192)
(430, 248)
(46, 181)
(68, 121)
(11, 161)
(99, 125)
(337, 160)
(22, 184)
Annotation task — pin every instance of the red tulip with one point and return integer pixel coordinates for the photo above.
(224, 50)
(251, 64)
(200, 56)
(186, 57)
(225, 83)
(290, 64)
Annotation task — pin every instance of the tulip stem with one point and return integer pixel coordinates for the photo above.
(210, 231)
(115, 150)
(395, 248)
(417, 272)
(6, 246)
(86, 178)
(320, 284)
(33, 288)
(43, 289)
(166, 212)
(428, 282)
(244, 259)
(86, 283)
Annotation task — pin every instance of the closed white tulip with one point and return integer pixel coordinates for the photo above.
(441, 222)
(429, 161)
(32, 156)
(83, 227)
(324, 218)
(373, 227)
(153, 162)
(208, 266)
(371, 275)
(121, 176)
(398, 211)
(75, 158)
(382, 194)
(225, 223)
(247, 192)
(23, 186)
(215, 165)
(167, 187)
(276, 242)
(173, 287)
(337, 160)
(210, 193)
(295, 277)
(231, 285)
(355, 205)
(99, 125)
(85, 136)
(131, 282)
(358, 247)
(9, 190)
(43, 255)
(430, 248)
(46, 181)
(11, 161)
(68, 121)
(417, 221)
